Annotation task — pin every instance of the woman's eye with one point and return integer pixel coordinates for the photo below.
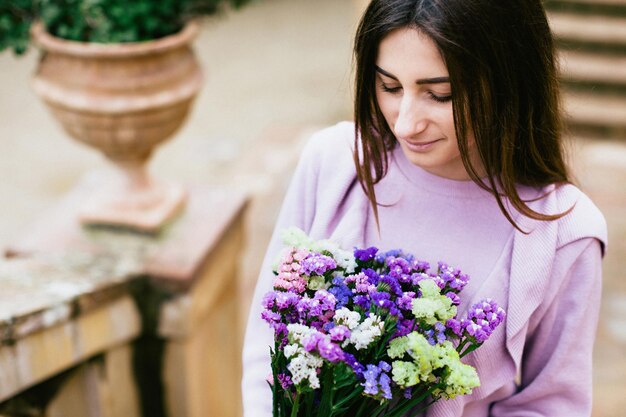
(389, 89)
(440, 98)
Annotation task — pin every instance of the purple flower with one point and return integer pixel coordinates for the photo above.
(329, 351)
(420, 266)
(303, 308)
(399, 269)
(362, 301)
(436, 335)
(382, 300)
(482, 319)
(381, 257)
(478, 331)
(285, 300)
(452, 277)
(339, 333)
(403, 328)
(377, 381)
(360, 283)
(419, 276)
(351, 361)
(365, 255)
(384, 381)
(317, 264)
(268, 300)
(455, 326)
(326, 348)
(390, 283)
(285, 381)
(372, 276)
(487, 310)
(270, 317)
(456, 300)
(341, 292)
(322, 302)
(405, 302)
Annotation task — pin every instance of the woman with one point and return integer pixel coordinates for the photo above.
(457, 156)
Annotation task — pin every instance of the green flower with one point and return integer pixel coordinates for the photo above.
(422, 359)
(316, 282)
(432, 306)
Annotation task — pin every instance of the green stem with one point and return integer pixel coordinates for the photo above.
(406, 405)
(470, 349)
(344, 400)
(296, 406)
(361, 408)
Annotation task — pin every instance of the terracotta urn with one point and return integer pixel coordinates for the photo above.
(124, 100)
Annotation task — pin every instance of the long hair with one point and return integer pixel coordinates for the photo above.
(500, 58)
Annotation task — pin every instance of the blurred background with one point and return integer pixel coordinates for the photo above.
(279, 69)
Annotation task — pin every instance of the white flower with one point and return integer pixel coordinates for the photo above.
(347, 317)
(363, 335)
(345, 259)
(304, 367)
(296, 238)
(297, 332)
(291, 350)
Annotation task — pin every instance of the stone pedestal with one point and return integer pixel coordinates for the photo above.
(120, 323)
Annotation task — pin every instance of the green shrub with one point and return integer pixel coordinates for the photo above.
(103, 21)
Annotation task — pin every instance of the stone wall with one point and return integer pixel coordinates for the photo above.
(102, 322)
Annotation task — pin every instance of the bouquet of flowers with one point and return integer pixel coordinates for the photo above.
(368, 333)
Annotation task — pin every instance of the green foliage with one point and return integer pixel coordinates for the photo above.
(102, 21)
(15, 19)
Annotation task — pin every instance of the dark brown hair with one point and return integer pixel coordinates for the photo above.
(501, 62)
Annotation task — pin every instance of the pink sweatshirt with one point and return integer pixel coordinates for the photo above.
(538, 363)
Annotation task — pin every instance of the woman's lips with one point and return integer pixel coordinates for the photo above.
(420, 146)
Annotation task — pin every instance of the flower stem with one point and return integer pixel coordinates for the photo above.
(296, 406)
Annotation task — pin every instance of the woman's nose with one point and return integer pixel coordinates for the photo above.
(411, 119)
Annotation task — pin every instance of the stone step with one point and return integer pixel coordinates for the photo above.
(589, 32)
(595, 114)
(591, 71)
(597, 7)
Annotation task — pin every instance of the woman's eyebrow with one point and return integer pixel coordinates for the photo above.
(435, 80)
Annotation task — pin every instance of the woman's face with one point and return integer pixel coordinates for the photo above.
(414, 94)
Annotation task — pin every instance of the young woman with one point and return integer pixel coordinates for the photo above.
(456, 155)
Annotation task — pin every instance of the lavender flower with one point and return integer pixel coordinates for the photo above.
(322, 343)
(403, 327)
(455, 326)
(285, 381)
(351, 361)
(405, 302)
(360, 283)
(340, 290)
(456, 300)
(365, 255)
(399, 268)
(362, 301)
(377, 381)
(382, 300)
(317, 264)
(339, 333)
(372, 276)
(482, 319)
(436, 335)
(452, 277)
(390, 283)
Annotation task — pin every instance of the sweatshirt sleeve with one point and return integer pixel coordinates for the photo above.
(297, 210)
(556, 377)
